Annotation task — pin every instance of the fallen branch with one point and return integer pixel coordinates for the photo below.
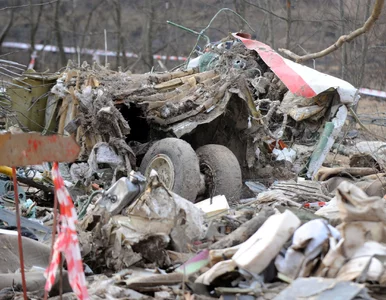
(30, 182)
(325, 173)
(245, 231)
(343, 39)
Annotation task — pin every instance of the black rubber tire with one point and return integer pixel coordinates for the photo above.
(225, 171)
(185, 163)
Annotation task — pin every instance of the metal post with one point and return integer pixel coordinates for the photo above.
(53, 235)
(19, 239)
(105, 48)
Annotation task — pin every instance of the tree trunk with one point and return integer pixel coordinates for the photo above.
(74, 24)
(34, 25)
(88, 22)
(365, 47)
(289, 24)
(58, 33)
(148, 35)
(7, 27)
(270, 25)
(118, 24)
(344, 47)
(240, 9)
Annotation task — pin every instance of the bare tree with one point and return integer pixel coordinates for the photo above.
(271, 33)
(7, 27)
(148, 34)
(88, 23)
(342, 32)
(240, 8)
(343, 39)
(289, 23)
(364, 50)
(58, 33)
(120, 40)
(26, 5)
(140, 26)
(34, 23)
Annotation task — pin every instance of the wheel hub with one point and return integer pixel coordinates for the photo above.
(165, 169)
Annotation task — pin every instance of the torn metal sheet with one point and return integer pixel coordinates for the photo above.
(308, 243)
(36, 260)
(181, 128)
(122, 193)
(154, 280)
(103, 287)
(355, 205)
(144, 229)
(299, 79)
(10, 218)
(317, 288)
(330, 133)
(368, 267)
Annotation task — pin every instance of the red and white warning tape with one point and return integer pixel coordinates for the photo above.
(375, 93)
(314, 204)
(67, 242)
(165, 57)
(93, 52)
(33, 60)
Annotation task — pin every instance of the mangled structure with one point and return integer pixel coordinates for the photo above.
(245, 110)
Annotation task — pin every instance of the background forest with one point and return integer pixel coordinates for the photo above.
(140, 27)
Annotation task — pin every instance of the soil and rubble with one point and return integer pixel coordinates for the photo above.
(289, 232)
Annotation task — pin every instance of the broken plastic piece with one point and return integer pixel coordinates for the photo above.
(216, 271)
(194, 264)
(330, 133)
(256, 187)
(258, 251)
(285, 154)
(308, 243)
(214, 206)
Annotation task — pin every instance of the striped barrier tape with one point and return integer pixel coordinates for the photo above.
(31, 64)
(370, 92)
(98, 52)
(314, 204)
(67, 242)
(93, 52)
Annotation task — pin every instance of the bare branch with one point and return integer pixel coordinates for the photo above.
(27, 5)
(271, 13)
(6, 29)
(289, 23)
(343, 39)
(58, 34)
(266, 11)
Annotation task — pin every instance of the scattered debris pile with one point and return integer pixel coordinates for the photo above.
(142, 230)
(173, 224)
(231, 97)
